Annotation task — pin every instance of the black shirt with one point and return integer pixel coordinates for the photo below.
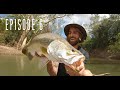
(62, 70)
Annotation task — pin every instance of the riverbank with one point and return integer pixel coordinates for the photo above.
(5, 50)
(104, 54)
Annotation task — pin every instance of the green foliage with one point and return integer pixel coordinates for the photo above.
(11, 37)
(89, 43)
(2, 25)
(100, 32)
(106, 34)
(115, 48)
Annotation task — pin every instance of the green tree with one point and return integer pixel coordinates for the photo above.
(106, 33)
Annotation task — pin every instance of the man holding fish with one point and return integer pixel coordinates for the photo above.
(75, 34)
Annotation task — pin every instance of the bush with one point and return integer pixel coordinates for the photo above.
(11, 36)
(89, 44)
(115, 48)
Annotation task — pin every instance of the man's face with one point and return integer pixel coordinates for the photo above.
(73, 36)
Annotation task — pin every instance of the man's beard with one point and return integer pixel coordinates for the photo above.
(73, 43)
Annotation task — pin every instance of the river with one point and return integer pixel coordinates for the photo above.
(15, 65)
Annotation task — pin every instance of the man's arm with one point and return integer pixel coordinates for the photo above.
(52, 68)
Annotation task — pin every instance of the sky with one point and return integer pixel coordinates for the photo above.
(3, 15)
(79, 19)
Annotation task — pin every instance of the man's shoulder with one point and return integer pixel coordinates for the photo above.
(82, 50)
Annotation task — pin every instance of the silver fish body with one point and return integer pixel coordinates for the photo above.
(54, 47)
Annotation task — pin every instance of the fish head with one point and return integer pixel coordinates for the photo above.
(64, 53)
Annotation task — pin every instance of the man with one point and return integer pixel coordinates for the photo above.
(75, 34)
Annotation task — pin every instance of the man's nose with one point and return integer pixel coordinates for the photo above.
(71, 34)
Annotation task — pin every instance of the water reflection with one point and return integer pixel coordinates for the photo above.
(20, 62)
(21, 66)
(42, 62)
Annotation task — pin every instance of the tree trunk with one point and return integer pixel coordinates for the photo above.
(23, 36)
(24, 43)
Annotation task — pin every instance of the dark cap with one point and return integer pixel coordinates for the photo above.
(81, 29)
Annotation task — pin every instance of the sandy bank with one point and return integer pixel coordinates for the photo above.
(9, 50)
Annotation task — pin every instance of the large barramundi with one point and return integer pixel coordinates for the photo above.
(54, 47)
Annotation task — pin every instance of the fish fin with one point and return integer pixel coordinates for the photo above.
(44, 50)
(43, 64)
(30, 56)
(24, 50)
(39, 54)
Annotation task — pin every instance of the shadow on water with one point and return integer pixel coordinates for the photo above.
(20, 66)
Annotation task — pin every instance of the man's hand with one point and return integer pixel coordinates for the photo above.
(75, 69)
(52, 68)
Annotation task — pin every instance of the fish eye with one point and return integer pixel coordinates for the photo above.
(73, 50)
